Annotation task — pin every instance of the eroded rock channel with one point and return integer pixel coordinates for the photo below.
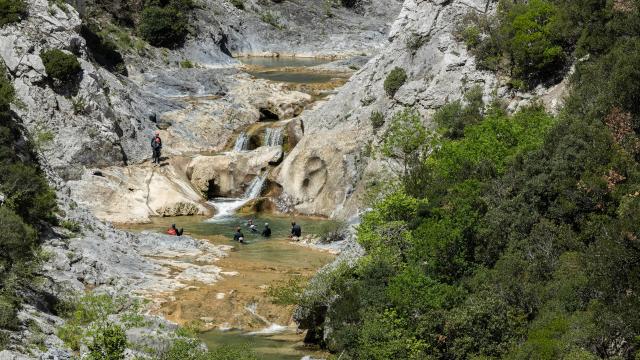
(222, 288)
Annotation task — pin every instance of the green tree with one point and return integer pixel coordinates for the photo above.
(12, 11)
(60, 65)
(406, 140)
(164, 26)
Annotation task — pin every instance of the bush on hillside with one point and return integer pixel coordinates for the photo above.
(60, 65)
(377, 119)
(12, 11)
(163, 26)
(394, 81)
(109, 343)
(350, 3)
(239, 4)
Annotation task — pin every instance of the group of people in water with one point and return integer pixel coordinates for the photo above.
(296, 231)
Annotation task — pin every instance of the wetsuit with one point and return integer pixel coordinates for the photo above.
(266, 232)
(238, 236)
(296, 230)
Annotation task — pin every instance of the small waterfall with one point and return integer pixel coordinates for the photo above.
(242, 142)
(227, 206)
(255, 188)
(273, 137)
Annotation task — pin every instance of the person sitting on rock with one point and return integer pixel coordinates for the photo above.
(267, 231)
(296, 231)
(156, 146)
(175, 231)
(238, 236)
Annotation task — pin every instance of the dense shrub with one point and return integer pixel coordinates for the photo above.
(394, 81)
(350, 3)
(239, 4)
(27, 205)
(12, 11)
(60, 65)
(109, 343)
(377, 119)
(165, 25)
(454, 117)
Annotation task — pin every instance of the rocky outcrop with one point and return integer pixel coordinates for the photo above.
(229, 175)
(305, 28)
(327, 172)
(135, 193)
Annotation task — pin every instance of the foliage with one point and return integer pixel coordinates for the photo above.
(84, 312)
(239, 4)
(394, 81)
(377, 119)
(109, 343)
(103, 49)
(415, 41)
(454, 117)
(191, 349)
(60, 65)
(12, 11)
(165, 24)
(71, 225)
(287, 292)
(406, 139)
(272, 19)
(27, 205)
(186, 64)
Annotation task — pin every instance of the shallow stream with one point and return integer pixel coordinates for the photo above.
(237, 309)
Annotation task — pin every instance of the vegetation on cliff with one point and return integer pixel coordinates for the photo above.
(517, 235)
(27, 205)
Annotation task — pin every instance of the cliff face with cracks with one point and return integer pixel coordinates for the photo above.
(328, 171)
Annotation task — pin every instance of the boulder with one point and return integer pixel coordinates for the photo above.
(229, 174)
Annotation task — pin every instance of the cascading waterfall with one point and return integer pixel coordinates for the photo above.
(228, 206)
(242, 142)
(273, 137)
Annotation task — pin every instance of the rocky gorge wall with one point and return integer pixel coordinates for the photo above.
(328, 171)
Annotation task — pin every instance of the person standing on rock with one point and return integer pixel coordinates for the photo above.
(156, 146)
(267, 231)
(296, 231)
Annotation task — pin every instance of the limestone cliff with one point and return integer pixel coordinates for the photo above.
(327, 172)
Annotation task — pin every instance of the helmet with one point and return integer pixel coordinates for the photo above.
(266, 224)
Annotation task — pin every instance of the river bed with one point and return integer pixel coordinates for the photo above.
(236, 309)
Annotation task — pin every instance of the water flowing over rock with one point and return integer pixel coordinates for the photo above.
(229, 175)
(242, 143)
(273, 137)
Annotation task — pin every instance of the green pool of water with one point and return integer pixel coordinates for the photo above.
(274, 251)
(266, 347)
(280, 62)
(273, 68)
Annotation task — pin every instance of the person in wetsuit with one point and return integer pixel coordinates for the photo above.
(175, 231)
(266, 232)
(156, 146)
(238, 236)
(296, 231)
